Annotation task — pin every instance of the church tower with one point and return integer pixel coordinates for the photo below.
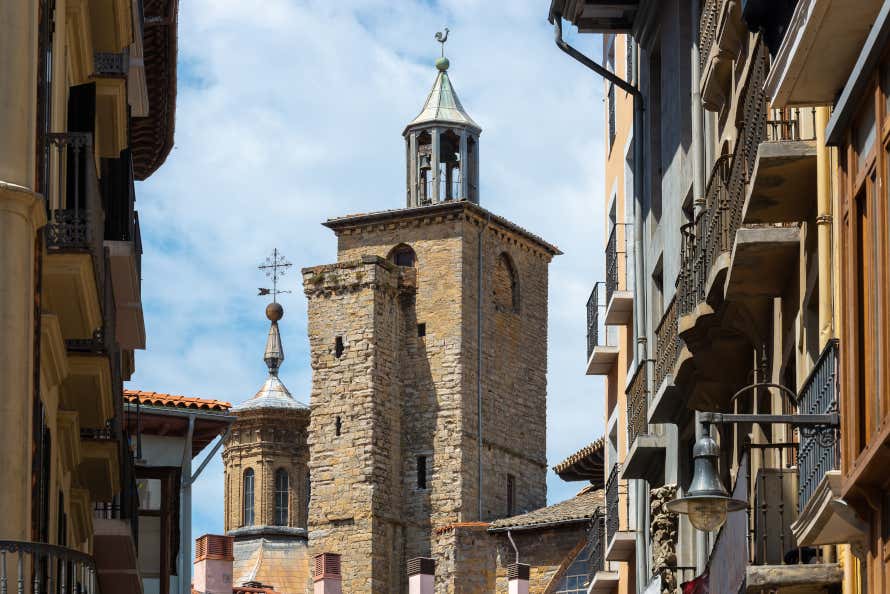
(428, 342)
(266, 479)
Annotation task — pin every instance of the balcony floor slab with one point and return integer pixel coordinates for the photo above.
(811, 577)
(602, 360)
(604, 582)
(620, 309)
(826, 518)
(645, 460)
(622, 547)
(783, 183)
(763, 260)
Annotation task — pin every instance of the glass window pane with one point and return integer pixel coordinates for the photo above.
(864, 133)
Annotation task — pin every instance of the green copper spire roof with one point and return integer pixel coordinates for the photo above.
(442, 104)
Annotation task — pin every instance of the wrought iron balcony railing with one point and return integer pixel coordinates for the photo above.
(638, 404)
(76, 220)
(613, 522)
(39, 568)
(595, 320)
(598, 544)
(617, 261)
(818, 451)
(110, 64)
(796, 123)
(667, 343)
(710, 14)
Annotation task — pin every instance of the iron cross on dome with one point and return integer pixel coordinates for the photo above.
(274, 267)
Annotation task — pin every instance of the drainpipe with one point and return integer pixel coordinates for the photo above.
(698, 203)
(185, 513)
(823, 227)
(641, 488)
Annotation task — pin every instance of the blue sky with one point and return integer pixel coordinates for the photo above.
(290, 112)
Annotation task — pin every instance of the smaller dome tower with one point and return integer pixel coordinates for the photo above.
(266, 456)
(442, 145)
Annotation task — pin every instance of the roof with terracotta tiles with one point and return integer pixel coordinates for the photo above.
(587, 464)
(579, 509)
(175, 401)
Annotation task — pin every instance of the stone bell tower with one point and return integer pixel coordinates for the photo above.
(266, 479)
(428, 342)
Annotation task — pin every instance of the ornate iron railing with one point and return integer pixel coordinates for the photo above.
(667, 343)
(598, 544)
(39, 568)
(616, 262)
(637, 404)
(713, 231)
(110, 64)
(710, 15)
(791, 124)
(613, 498)
(75, 220)
(818, 451)
(593, 319)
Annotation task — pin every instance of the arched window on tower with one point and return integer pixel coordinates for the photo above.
(247, 499)
(402, 255)
(506, 285)
(282, 497)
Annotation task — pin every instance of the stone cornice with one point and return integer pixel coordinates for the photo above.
(368, 272)
(23, 202)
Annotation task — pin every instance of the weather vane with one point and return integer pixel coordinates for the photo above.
(442, 38)
(274, 267)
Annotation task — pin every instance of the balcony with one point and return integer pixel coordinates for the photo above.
(36, 567)
(100, 463)
(645, 455)
(668, 405)
(721, 37)
(619, 293)
(604, 580)
(782, 187)
(602, 343)
(620, 540)
(819, 50)
(597, 16)
(112, 119)
(73, 233)
(824, 517)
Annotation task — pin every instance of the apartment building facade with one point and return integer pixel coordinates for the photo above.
(746, 286)
(87, 104)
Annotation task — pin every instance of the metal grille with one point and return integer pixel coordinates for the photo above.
(667, 343)
(708, 30)
(597, 544)
(613, 523)
(35, 567)
(818, 453)
(593, 319)
(791, 124)
(616, 278)
(110, 64)
(637, 405)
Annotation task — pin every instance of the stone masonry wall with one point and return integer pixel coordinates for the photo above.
(355, 510)
(549, 552)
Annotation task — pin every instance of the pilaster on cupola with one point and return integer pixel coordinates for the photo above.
(442, 146)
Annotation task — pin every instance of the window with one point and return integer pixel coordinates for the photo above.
(247, 499)
(421, 472)
(282, 496)
(612, 123)
(506, 285)
(421, 330)
(338, 347)
(511, 495)
(402, 255)
(338, 426)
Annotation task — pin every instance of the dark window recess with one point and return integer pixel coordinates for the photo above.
(421, 329)
(511, 495)
(338, 425)
(403, 255)
(612, 122)
(282, 496)
(421, 472)
(338, 347)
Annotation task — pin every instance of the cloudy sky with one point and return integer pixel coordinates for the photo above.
(290, 112)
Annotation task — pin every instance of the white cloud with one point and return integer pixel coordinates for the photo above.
(290, 112)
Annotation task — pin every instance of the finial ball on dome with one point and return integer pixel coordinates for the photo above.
(274, 311)
(442, 64)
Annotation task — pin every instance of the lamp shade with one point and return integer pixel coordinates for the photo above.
(706, 502)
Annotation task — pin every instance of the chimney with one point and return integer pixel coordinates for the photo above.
(421, 575)
(517, 578)
(326, 574)
(213, 564)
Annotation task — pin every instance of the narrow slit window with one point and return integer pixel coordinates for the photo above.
(421, 472)
(338, 426)
(421, 330)
(247, 499)
(338, 347)
(511, 495)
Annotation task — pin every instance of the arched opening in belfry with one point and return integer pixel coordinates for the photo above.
(424, 168)
(506, 284)
(282, 497)
(402, 255)
(472, 170)
(449, 166)
(247, 495)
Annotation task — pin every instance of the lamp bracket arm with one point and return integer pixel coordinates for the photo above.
(806, 420)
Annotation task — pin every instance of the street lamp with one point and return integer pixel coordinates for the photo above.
(707, 501)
